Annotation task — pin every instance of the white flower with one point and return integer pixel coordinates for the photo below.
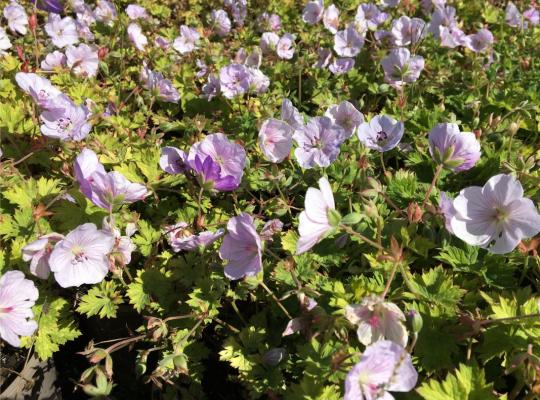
(5, 43)
(83, 60)
(136, 36)
(16, 18)
(331, 18)
(62, 31)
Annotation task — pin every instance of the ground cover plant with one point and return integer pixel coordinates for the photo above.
(272, 199)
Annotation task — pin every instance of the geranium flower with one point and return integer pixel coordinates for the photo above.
(51, 6)
(341, 65)
(17, 297)
(54, 60)
(254, 59)
(134, 11)
(275, 139)
(162, 42)
(369, 15)
(382, 133)
(5, 43)
(211, 176)
(270, 22)
(220, 22)
(452, 37)
(442, 17)
(270, 228)
(346, 116)
(234, 80)
(318, 142)
(313, 12)
(62, 31)
(105, 12)
(384, 366)
(400, 68)
(480, 41)
(17, 20)
(38, 253)
(173, 160)
(513, 17)
(324, 57)
(162, 88)
(446, 207)
(407, 31)
(41, 89)
(187, 41)
(66, 120)
(377, 320)
(82, 256)
(455, 150)
(136, 36)
(285, 46)
(331, 18)
(181, 238)
(83, 60)
(495, 217)
(242, 248)
(348, 42)
(533, 15)
(123, 245)
(268, 42)
(258, 81)
(238, 10)
(212, 87)
(314, 221)
(291, 115)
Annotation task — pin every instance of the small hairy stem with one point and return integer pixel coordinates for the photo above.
(275, 299)
(362, 237)
(433, 184)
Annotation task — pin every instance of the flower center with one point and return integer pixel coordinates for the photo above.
(5, 310)
(374, 320)
(501, 215)
(79, 254)
(382, 137)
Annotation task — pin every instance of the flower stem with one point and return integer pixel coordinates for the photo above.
(433, 184)
(350, 231)
(390, 279)
(275, 299)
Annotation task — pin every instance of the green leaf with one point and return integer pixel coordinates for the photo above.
(146, 237)
(351, 219)
(102, 300)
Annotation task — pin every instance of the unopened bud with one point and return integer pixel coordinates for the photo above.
(414, 321)
(477, 133)
(102, 52)
(32, 23)
(513, 128)
(414, 213)
(274, 356)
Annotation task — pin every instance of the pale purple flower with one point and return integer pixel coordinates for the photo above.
(62, 31)
(66, 120)
(324, 57)
(513, 17)
(318, 142)
(269, 41)
(347, 116)
(314, 223)
(212, 87)
(17, 20)
(275, 139)
(429, 5)
(181, 238)
(41, 89)
(407, 31)
(532, 15)
(53, 6)
(452, 37)
(331, 18)
(242, 247)
(274, 21)
(54, 60)
(38, 253)
(285, 46)
(17, 297)
(446, 207)
(258, 81)
(83, 30)
(377, 320)
(162, 88)
(136, 36)
(270, 22)
(83, 60)
(384, 366)
(82, 256)
(442, 17)
(105, 12)
(455, 150)
(291, 115)
(270, 228)
(369, 15)
(203, 68)
(400, 68)
(210, 175)
(86, 164)
(495, 217)
(341, 66)
(240, 56)
(382, 133)
(234, 80)
(254, 59)
(480, 41)
(187, 41)
(238, 10)
(221, 23)
(348, 42)
(389, 3)
(5, 43)
(382, 35)
(162, 42)
(84, 12)
(313, 12)
(173, 160)
(123, 245)
(135, 11)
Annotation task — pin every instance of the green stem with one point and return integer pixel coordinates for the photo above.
(275, 299)
(350, 231)
(433, 184)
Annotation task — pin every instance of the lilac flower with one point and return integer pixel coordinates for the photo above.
(285, 46)
(182, 239)
(314, 221)
(377, 320)
(291, 115)
(83, 30)
(38, 253)
(274, 21)
(229, 156)
(238, 10)
(400, 68)
(254, 59)
(324, 58)
(384, 366)
(270, 22)
(162, 42)
(313, 12)
(331, 18)
(390, 3)
(123, 245)
(346, 116)
(442, 17)
(83, 60)
(136, 36)
(212, 87)
(54, 60)
(173, 160)
(513, 16)
(186, 42)
(479, 41)
(452, 37)
(318, 142)
(348, 43)
(407, 31)
(210, 175)
(135, 11)
(41, 89)
(234, 80)
(221, 23)
(84, 12)
(455, 150)
(51, 6)
(275, 139)
(370, 16)
(429, 5)
(341, 66)
(446, 207)
(105, 12)
(62, 31)
(17, 19)
(258, 81)
(17, 297)
(86, 164)
(82, 256)
(5, 43)
(242, 247)
(495, 217)
(532, 15)
(66, 120)
(382, 133)
(162, 88)
(269, 41)
(270, 228)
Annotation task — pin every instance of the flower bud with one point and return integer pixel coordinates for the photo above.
(414, 321)
(274, 356)
(414, 213)
(102, 52)
(513, 128)
(32, 23)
